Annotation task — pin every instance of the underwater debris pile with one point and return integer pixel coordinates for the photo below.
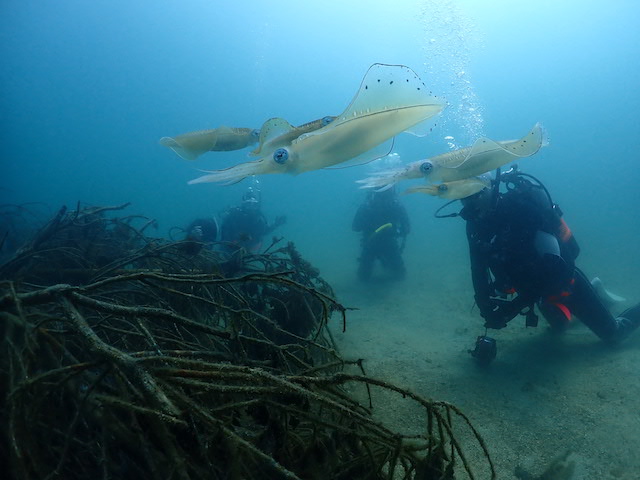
(18, 223)
(124, 356)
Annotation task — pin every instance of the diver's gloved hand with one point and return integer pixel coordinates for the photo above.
(281, 220)
(497, 313)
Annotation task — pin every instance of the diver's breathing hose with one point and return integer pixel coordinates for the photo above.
(496, 189)
(449, 215)
(383, 227)
(540, 184)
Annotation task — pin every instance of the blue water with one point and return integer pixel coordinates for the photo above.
(88, 89)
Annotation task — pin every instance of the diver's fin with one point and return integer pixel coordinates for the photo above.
(605, 295)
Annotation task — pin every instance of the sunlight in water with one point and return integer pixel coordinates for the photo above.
(449, 38)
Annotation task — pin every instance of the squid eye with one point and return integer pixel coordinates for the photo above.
(280, 156)
(326, 121)
(426, 167)
(442, 188)
(255, 133)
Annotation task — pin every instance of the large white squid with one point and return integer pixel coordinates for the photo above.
(392, 99)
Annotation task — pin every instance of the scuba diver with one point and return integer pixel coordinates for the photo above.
(244, 226)
(200, 232)
(523, 254)
(383, 220)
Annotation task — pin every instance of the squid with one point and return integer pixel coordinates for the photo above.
(391, 99)
(454, 190)
(222, 139)
(483, 156)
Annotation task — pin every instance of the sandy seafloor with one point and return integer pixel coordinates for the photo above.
(543, 395)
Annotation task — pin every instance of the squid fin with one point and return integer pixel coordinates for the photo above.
(183, 152)
(270, 130)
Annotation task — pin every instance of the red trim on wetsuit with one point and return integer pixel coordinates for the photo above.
(564, 309)
(555, 300)
(564, 231)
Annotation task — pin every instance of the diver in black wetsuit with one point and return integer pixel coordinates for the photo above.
(200, 232)
(383, 220)
(523, 254)
(244, 226)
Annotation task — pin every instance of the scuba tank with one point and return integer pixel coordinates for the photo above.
(534, 190)
(564, 234)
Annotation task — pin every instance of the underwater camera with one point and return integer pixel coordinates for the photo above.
(485, 350)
